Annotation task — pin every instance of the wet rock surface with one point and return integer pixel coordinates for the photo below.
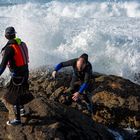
(51, 120)
(53, 115)
(115, 100)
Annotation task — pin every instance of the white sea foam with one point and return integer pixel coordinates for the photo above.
(116, 135)
(109, 31)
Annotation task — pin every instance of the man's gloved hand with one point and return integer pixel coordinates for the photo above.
(75, 96)
(54, 74)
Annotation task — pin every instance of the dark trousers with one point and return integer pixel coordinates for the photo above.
(17, 110)
(12, 98)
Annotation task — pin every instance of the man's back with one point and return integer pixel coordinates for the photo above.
(16, 56)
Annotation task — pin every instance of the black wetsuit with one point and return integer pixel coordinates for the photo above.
(83, 76)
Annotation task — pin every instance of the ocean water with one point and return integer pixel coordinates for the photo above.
(108, 30)
(55, 31)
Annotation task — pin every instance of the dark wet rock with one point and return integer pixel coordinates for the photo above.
(51, 120)
(116, 100)
(48, 118)
(53, 114)
(137, 136)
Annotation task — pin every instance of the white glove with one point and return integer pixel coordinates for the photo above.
(54, 74)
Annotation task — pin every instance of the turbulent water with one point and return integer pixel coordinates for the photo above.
(109, 31)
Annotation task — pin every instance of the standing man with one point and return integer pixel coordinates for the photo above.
(15, 56)
(81, 77)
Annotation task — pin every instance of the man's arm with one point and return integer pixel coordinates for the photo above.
(8, 54)
(65, 64)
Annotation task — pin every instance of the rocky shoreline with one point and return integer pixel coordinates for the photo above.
(53, 115)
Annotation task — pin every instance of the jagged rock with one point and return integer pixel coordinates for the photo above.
(52, 120)
(116, 100)
(137, 136)
(53, 114)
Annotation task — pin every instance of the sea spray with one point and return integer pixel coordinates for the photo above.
(60, 30)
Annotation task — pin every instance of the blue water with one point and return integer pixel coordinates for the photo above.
(109, 31)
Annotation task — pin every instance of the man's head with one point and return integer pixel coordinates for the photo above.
(81, 62)
(10, 33)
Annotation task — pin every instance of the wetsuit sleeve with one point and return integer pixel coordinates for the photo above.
(87, 78)
(8, 54)
(83, 87)
(58, 67)
(65, 64)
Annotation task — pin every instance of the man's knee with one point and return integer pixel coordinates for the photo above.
(8, 105)
(70, 90)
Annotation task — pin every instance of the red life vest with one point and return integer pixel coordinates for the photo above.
(21, 54)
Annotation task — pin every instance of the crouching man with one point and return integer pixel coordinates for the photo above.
(82, 73)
